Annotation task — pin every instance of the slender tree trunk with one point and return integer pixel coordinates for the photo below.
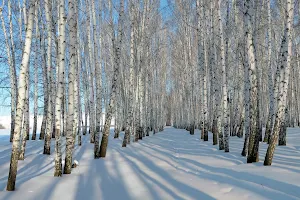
(60, 88)
(98, 75)
(86, 99)
(72, 23)
(224, 86)
(91, 81)
(129, 120)
(75, 91)
(25, 128)
(254, 118)
(13, 74)
(283, 129)
(214, 87)
(78, 69)
(45, 87)
(9, 43)
(246, 103)
(21, 100)
(63, 110)
(48, 8)
(284, 81)
(111, 106)
(36, 74)
(241, 102)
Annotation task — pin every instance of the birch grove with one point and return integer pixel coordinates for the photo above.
(215, 69)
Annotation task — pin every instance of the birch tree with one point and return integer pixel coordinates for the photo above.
(224, 91)
(250, 48)
(36, 75)
(111, 106)
(98, 72)
(60, 88)
(10, 51)
(48, 8)
(284, 80)
(129, 120)
(22, 89)
(72, 23)
(269, 125)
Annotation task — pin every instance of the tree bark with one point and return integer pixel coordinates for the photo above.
(21, 100)
(111, 106)
(72, 23)
(284, 81)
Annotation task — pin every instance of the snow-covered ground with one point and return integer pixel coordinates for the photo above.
(169, 165)
(5, 121)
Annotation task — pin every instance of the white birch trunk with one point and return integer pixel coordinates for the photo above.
(254, 114)
(25, 128)
(60, 88)
(72, 23)
(91, 83)
(111, 106)
(48, 8)
(224, 87)
(129, 120)
(21, 100)
(98, 76)
(284, 81)
(36, 74)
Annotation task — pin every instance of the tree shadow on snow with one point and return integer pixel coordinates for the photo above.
(258, 184)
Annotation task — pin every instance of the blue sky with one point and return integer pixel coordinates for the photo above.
(163, 3)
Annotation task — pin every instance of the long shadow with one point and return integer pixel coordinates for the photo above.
(110, 186)
(45, 194)
(29, 171)
(7, 153)
(149, 178)
(276, 185)
(78, 154)
(98, 176)
(286, 167)
(290, 160)
(239, 178)
(87, 183)
(153, 193)
(128, 152)
(287, 161)
(34, 167)
(183, 188)
(48, 193)
(108, 191)
(203, 152)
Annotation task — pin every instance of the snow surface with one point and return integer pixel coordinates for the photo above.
(169, 165)
(5, 121)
